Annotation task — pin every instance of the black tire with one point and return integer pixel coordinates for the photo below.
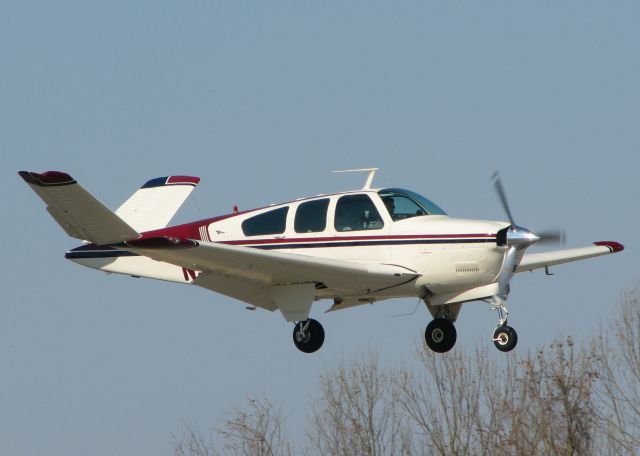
(440, 335)
(505, 338)
(314, 336)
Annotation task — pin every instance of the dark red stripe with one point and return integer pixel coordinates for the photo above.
(183, 180)
(356, 238)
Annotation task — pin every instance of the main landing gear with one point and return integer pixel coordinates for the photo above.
(440, 335)
(308, 335)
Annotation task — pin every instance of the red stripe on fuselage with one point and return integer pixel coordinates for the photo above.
(187, 230)
(356, 238)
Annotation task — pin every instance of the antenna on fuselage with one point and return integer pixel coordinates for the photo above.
(371, 171)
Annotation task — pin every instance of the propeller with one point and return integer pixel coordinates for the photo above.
(497, 183)
(515, 238)
(552, 237)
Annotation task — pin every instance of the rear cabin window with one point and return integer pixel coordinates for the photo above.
(272, 222)
(357, 212)
(311, 217)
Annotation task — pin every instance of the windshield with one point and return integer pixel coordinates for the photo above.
(403, 204)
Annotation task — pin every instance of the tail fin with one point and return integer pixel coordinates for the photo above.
(80, 214)
(156, 202)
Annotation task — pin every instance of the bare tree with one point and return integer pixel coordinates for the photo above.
(549, 406)
(442, 400)
(192, 443)
(563, 399)
(618, 358)
(255, 430)
(357, 413)
(258, 431)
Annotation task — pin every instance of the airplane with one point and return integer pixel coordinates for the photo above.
(355, 247)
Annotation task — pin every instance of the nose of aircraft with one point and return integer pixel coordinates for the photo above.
(521, 237)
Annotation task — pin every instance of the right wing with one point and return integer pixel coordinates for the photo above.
(531, 261)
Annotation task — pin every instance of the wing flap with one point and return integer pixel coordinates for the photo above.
(245, 290)
(531, 261)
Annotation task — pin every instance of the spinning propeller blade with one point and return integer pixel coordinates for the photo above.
(497, 183)
(552, 237)
(517, 238)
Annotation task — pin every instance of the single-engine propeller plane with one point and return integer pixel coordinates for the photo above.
(355, 247)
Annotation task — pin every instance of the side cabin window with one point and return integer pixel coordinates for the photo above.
(272, 222)
(311, 217)
(357, 212)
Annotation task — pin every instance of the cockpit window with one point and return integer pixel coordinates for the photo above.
(403, 204)
(357, 212)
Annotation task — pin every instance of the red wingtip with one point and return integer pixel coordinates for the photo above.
(183, 180)
(614, 246)
(47, 178)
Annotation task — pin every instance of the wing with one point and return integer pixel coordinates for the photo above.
(270, 279)
(531, 261)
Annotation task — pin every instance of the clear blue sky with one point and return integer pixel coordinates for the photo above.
(262, 100)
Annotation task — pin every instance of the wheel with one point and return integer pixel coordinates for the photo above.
(505, 338)
(440, 335)
(308, 335)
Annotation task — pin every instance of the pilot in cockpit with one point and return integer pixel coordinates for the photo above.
(390, 205)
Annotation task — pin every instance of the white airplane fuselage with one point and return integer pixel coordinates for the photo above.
(451, 255)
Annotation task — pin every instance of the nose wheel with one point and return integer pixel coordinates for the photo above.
(308, 335)
(440, 335)
(505, 338)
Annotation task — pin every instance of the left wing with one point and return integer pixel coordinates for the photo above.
(267, 278)
(531, 261)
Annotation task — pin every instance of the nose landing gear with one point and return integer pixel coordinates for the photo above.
(504, 337)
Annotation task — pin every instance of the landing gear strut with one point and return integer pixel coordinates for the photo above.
(505, 337)
(440, 335)
(308, 336)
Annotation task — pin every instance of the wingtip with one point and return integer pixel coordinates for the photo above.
(612, 245)
(48, 178)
